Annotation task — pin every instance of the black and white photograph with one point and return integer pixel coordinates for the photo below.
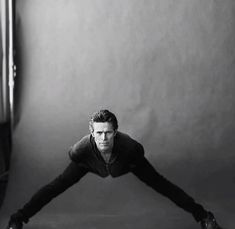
(117, 114)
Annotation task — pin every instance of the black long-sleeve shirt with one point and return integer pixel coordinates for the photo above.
(127, 156)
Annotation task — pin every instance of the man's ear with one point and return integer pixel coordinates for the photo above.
(91, 130)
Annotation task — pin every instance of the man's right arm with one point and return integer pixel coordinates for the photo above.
(72, 174)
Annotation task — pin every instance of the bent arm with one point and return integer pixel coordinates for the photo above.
(146, 173)
(72, 174)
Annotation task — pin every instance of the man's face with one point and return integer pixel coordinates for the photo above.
(103, 134)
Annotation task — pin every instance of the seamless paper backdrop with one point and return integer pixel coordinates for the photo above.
(165, 68)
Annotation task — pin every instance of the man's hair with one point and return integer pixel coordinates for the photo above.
(103, 116)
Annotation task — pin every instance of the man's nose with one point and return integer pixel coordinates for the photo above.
(104, 137)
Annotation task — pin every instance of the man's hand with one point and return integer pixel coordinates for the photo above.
(209, 222)
(15, 225)
(15, 222)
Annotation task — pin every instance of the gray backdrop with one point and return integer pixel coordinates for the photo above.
(165, 67)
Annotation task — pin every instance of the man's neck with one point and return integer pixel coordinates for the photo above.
(106, 155)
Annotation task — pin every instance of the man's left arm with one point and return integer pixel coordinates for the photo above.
(142, 168)
(146, 173)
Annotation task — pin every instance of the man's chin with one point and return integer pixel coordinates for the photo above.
(104, 148)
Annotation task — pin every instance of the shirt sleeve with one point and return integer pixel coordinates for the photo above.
(146, 173)
(72, 174)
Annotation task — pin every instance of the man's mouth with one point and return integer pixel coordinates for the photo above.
(104, 144)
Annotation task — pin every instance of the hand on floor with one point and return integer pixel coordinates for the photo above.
(210, 222)
(15, 225)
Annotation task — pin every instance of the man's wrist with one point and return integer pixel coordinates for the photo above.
(209, 222)
(16, 221)
(14, 224)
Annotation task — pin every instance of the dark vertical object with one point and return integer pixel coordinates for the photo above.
(7, 79)
(6, 93)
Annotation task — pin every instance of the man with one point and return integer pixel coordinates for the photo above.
(106, 151)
